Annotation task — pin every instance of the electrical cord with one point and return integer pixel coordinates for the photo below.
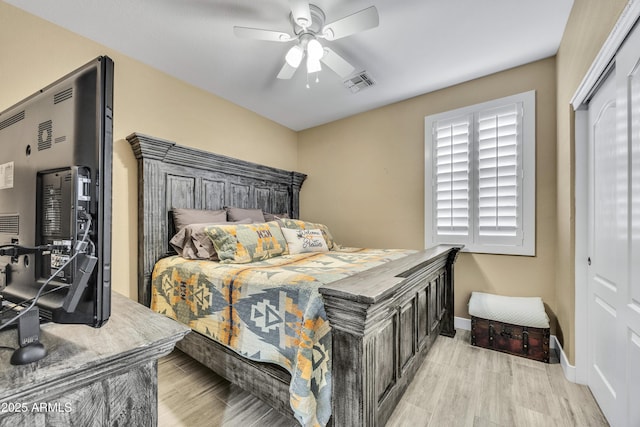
(79, 248)
(15, 305)
(14, 250)
(17, 250)
(35, 299)
(85, 241)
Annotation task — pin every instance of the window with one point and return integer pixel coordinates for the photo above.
(480, 176)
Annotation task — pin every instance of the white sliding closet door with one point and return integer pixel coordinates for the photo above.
(628, 65)
(607, 242)
(614, 239)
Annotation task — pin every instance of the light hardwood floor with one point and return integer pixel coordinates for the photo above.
(457, 385)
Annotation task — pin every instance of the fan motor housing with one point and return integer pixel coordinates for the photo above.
(317, 21)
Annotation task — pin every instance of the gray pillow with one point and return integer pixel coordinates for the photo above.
(183, 217)
(274, 217)
(239, 214)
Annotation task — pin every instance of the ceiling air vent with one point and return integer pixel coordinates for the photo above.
(358, 82)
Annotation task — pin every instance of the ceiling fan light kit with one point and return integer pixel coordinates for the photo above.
(308, 25)
(315, 50)
(294, 56)
(313, 65)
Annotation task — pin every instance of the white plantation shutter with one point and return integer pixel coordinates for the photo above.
(480, 176)
(451, 176)
(498, 174)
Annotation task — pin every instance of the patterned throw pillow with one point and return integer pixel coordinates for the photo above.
(297, 224)
(239, 244)
(303, 241)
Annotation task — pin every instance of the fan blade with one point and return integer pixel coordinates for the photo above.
(337, 63)
(286, 72)
(359, 21)
(258, 34)
(300, 12)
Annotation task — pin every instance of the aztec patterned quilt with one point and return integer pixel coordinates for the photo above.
(268, 311)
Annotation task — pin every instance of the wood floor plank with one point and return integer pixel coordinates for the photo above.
(526, 417)
(497, 362)
(243, 410)
(581, 409)
(482, 422)
(408, 414)
(457, 403)
(457, 385)
(428, 385)
(441, 351)
(495, 403)
(532, 390)
(274, 419)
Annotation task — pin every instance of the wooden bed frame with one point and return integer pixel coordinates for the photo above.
(383, 320)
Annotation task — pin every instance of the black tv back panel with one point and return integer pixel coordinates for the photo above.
(55, 183)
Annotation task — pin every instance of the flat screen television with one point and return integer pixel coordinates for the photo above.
(55, 197)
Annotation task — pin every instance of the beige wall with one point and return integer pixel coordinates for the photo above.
(589, 25)
(366, 181)
(376, 172)
(366, 172)
(34, 53)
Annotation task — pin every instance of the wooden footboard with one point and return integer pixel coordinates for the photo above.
(383, 320)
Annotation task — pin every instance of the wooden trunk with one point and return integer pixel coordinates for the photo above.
(532, 343)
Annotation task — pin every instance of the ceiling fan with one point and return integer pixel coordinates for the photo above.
(308, 23)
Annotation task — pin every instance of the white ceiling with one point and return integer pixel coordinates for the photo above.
(420, 46)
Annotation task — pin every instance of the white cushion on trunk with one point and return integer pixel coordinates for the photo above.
(523, 311)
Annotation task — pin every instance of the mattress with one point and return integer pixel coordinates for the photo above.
(269, 311)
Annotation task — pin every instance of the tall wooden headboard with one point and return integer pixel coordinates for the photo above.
(172, 176)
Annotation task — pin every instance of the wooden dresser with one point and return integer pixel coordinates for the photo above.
(90, 377)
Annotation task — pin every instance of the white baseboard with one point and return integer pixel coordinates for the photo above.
(462, 323)
(568, 369)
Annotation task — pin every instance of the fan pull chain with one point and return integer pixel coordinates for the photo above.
(317, 79)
